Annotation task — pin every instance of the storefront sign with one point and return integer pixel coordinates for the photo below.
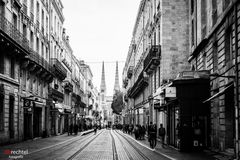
(170, 92)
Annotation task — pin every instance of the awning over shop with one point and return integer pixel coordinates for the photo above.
(169, 102)
(219, 93)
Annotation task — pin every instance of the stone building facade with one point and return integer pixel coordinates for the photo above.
(214, 40)
(37, 82)
(158, 51)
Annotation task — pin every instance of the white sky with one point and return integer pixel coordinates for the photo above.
(101, 30)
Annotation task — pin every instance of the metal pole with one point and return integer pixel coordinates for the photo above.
(236, 85)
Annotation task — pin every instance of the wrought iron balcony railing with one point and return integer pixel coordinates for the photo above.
(129, 91)
(25, 8)
(9, 29)
(153, 59)
(59, 69)
(55, 94)
(140, 84)
(34, 56)
(38, 24)
(67, 64)
(130, 72)
(32, 16)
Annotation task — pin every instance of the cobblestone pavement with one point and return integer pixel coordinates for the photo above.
(105, 145)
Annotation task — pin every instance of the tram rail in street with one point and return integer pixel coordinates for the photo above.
(114, 149)
(85, 146)
(132, 145)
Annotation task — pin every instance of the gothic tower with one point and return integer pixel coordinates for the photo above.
(116, 85)
(103, 83)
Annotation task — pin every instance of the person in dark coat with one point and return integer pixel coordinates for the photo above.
(143, 132)
(95, 128)
(70, 129)
(162, 133)
(152, 135)
(136, 132)
(75, 129)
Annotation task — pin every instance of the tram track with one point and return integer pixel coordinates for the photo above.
(114, 149)
(65, 143)
(84, 146)
(132, 145)
(57, 148)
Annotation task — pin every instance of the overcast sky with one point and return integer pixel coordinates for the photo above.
(101, 30)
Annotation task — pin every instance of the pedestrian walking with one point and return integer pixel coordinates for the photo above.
(70, 129)
(136, 132)
(152, 135)
(95, 128)
(161, 133)
(143, 132)
(75, 129)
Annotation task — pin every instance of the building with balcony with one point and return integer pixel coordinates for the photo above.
(41, 92)
(158, 51)
(29, 74)
(214, 35)
(67, 54)
(56, 21)
(87, 73)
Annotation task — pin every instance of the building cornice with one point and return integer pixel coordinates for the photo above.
(60, 14)
(139, 13)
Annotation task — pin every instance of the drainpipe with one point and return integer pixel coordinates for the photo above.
(236, 86)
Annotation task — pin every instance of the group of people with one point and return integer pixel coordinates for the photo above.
(74, 128)
(140, 131)
(152, 134)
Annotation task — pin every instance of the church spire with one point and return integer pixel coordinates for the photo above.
(116, 85)
(103, 83)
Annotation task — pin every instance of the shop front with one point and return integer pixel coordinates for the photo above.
(167, 113)
(37, 119)
(57, 118)
(28, 117)
(68, 117)
(187, 113)
(34, 117)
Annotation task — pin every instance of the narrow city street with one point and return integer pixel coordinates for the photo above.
(106, 144)
(120, 79)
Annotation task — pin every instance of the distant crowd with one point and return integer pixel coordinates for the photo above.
(140, 131)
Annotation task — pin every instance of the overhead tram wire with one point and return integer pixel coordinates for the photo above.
(104, 62)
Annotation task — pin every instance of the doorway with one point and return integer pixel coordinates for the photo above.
(11, 116)
(27, 124)
(37, 121)
(229, 118)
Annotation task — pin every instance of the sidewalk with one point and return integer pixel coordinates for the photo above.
(174, 154)
(34, 145)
